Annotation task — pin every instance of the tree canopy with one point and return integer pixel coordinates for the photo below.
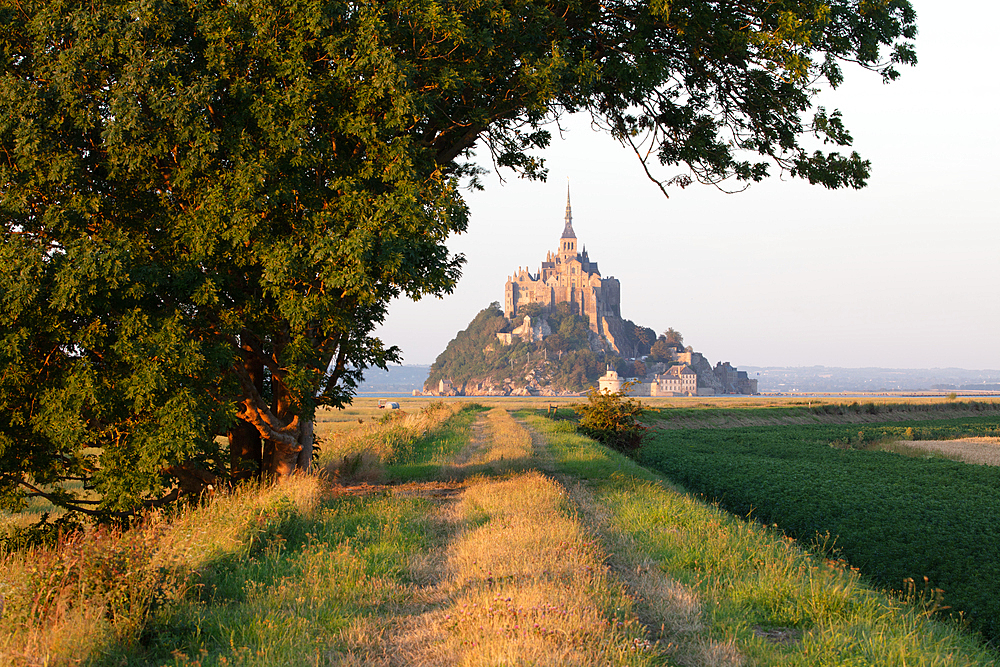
(207, 207)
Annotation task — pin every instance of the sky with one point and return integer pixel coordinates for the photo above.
(901, 274)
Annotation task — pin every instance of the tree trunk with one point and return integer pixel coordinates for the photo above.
(306, 439)
(245, 452)
(285, 458)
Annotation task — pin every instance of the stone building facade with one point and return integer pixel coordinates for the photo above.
(733, 380)
(568, 276)
(677, 381)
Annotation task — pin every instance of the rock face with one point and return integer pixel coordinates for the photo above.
(628, 339)
(706, 374)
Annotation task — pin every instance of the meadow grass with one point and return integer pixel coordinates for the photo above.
(97, 590)
(319, 589)
(468, 555)
(748, 586)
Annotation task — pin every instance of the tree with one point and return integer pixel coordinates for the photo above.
(674, 337)
(660, 352)
(645, 338)
(208, 206)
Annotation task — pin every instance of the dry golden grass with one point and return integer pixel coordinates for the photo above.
(62, 604)
(979, 451)
(359, 452)
(525, 585)
(498, 445)
(509, 439)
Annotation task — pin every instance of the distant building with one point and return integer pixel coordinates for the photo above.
(734, 381)
(568, 276)
(610, 383)
(677, 381)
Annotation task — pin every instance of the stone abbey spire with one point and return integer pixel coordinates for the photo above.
(568, 232)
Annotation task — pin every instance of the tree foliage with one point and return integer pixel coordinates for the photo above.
(674, 337)
(207, 207)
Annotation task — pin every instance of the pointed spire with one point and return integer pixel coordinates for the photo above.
(568, 232)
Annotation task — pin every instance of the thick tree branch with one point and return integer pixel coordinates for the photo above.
(256, 413)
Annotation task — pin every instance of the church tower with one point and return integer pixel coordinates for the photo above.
(567, 244)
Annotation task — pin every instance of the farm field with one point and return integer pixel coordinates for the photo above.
(896, 518)
(980, 451)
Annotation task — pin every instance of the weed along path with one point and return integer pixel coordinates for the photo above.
(461, 536)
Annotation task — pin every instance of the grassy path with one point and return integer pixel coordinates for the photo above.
(522, 581)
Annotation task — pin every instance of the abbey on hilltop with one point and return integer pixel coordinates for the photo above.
(559, 329)
(568, 276)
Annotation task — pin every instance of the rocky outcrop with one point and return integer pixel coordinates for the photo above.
(626, 338)
(706, 374)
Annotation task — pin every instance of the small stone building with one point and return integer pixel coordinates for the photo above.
(610, 383)
(677, 381)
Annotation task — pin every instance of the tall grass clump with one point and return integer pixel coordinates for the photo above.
(64, 603)
(362, 454)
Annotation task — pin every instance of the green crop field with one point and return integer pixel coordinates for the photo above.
(894, 517)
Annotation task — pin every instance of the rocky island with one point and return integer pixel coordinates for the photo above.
(560, 331)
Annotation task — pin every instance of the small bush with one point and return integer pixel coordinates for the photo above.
(611, 419)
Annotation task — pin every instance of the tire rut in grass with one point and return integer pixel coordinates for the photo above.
(671, 612)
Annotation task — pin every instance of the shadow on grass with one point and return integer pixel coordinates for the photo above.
(307, 589)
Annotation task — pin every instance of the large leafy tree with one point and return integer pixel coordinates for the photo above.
(206, 206)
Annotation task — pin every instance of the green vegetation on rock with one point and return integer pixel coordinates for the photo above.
(479, 361)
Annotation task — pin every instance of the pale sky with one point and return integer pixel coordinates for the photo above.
(901, 274)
